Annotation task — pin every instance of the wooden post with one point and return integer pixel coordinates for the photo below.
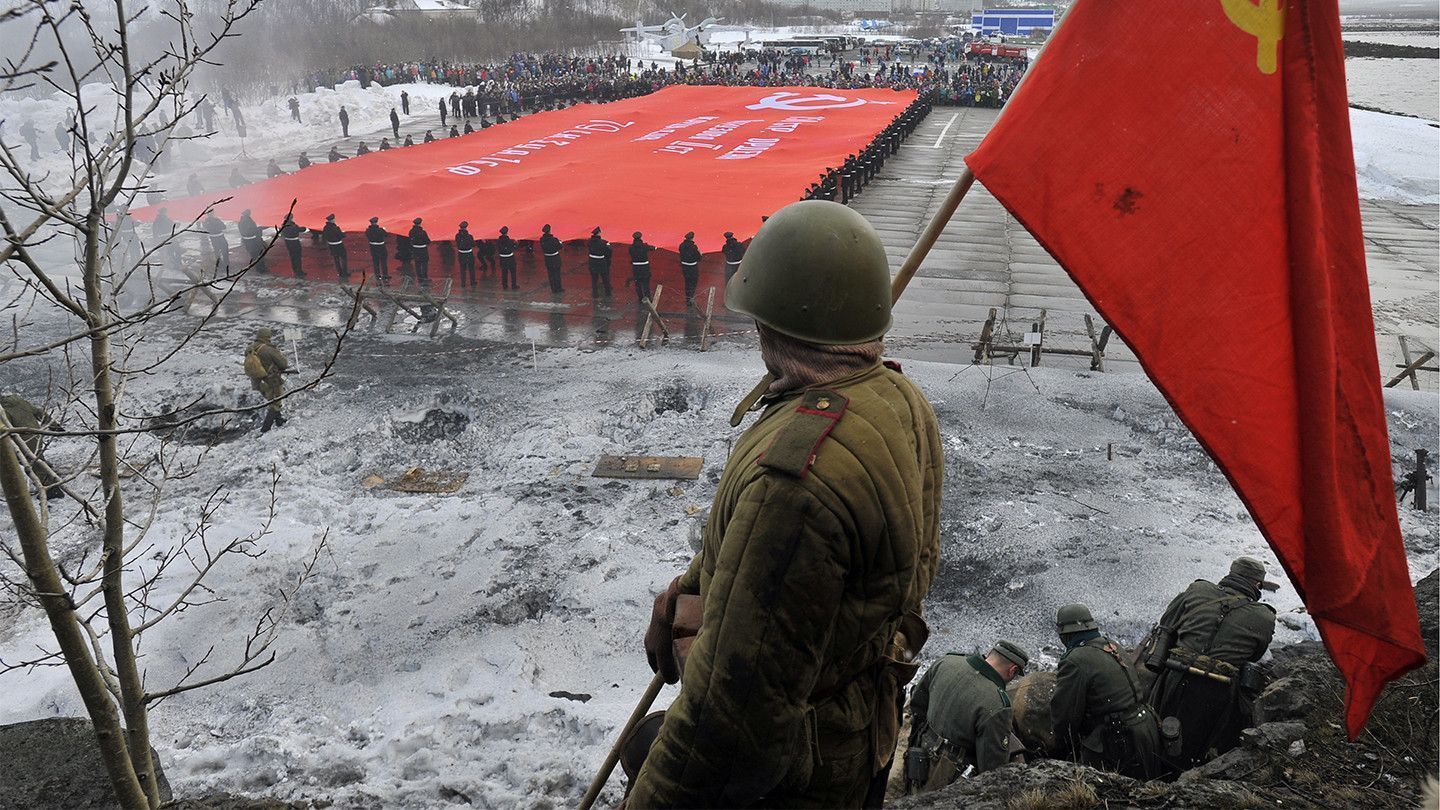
(1097, 355)
(982, 348)
(1422, 480)
(1037, 328)
(705, 329)
(652, 317)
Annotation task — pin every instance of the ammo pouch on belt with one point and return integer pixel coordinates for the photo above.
(917, 766)
(1252, 679)
(897, 668)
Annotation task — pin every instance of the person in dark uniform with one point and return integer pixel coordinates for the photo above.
(335, 241)
(385, 145)
(505, 247)
(1101, 718)
(376, 237)
(219, 245)
(485, 250)
(550, 248)
(362, 149)
(304, 161)
(402, 254)
(405, 102)
(290, 234)
(690, 267)
(640, 267)
(734, 252)
(420, 251)
(193, 187)
(395, 123)
(294, 104)
(1208, 637)
(961, 717)
(272, 169)
(429, 136)
(409, 141)
(344, 122)
(465, 249)
(599, 252)
(444, 112)
(253, 240)
(334, 155)
(468, 129)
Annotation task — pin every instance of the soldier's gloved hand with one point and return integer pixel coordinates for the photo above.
(660, 637)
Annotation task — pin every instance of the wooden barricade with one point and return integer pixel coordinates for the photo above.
(653, 319)
(1413, 365)
(1032, 342)
(410, 298)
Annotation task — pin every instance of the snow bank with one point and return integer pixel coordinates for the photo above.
(1396, 157)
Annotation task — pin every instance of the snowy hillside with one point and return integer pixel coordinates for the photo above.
(429, 660)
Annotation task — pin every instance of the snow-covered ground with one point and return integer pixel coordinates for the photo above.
(418, 666)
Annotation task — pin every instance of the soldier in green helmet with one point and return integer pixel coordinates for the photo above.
(960, 717)
(1100, 717)
(1205, 648)
(264, 365)
(822, 540)
(21, 413)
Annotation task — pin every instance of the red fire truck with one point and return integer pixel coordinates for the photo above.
(995, 49)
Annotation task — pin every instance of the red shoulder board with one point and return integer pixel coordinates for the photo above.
(794, 447)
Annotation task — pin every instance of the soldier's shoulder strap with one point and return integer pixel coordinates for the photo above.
(793, 449)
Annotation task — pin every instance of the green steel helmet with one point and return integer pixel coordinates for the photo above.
(265, 333)
(1074, 619)
(816, 271)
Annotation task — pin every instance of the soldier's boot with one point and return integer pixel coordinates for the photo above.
(269, 421)
(279, 419)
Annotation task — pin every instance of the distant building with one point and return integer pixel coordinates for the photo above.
(1016, 21)
(419, 9)
(875, 8)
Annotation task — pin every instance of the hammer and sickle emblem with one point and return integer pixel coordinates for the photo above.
(1264, 20)
(787, 100)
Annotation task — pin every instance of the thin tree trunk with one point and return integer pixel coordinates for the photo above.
(40, 569)
(127, 669)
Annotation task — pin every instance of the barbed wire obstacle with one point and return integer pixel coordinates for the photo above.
(999, 338)
(412, 299)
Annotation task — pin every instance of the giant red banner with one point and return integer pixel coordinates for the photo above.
(702, 159)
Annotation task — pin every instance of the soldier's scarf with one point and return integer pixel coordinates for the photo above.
(1240, 584)
(797, 364)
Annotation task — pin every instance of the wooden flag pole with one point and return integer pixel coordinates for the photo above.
(931, 233)
(641, 709)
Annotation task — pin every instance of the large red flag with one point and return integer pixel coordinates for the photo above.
(1188, 162)
(703, 159)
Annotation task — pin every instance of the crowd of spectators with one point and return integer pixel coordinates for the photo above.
(526, 82)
